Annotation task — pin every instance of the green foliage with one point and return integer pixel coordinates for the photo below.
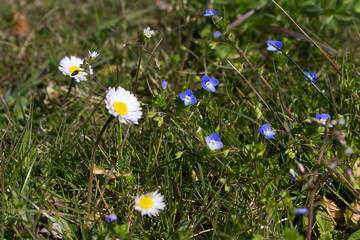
(292, 235)
(242, 191)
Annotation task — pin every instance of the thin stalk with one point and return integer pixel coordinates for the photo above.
(93, 162)
(72, 84)
(138, 70)
(313, 188)
(302, 71)
(108, 177)
(317, 45)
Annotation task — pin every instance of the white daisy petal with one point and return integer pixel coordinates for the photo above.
(150, 203)
(93, 55)
(72, 67)
(123, 105)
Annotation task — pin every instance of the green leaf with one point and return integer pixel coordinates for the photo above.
(326, 236)
(289, 234)
(355, 235)
(312, 10)
(324, 222)
(178, 155)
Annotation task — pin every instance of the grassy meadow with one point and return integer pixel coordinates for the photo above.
(67, 162)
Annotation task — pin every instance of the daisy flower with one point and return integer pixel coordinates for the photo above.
(310, 76)
(209, 13)
(111, 218)
(273, 46)
(123, 105)
(266, 131)
(214, 141)
(188, 97)
(150, 203)
(209, 83)
(72, 67)
(148, 33)
(93, 55)
(324, 118)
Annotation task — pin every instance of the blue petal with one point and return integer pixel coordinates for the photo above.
(205, 78)
(214, 81)
(270, 136)
(182, 96)
(301, 211)
(164, 84)
(204, 86)
(292, 175)
(215, 136)
(318, 116)
(278, 44)
(325, 116)
(266, 127)
(189, 93)
(193, 100)
(212, 88)
(217, 34)
(111, 218)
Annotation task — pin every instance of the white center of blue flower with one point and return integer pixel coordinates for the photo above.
(271, 47)
(208, 84)
(187, 98)
(323, 121)
(267, 132)
(309, 77)
(213, 142)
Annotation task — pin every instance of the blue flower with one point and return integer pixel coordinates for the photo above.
(273, 46)
(266, 131)
(209, 13)
(301, 211)
(292, 175)
(310, 76)
(188, 97)
(209, 83)
(164, 84)
(111, 218)
(324, 118)
(214, 141)
(217, 34)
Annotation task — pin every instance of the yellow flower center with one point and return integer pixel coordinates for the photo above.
(146, 202)
(120, 108)
(73, 69)
(208, 84)
(213, 142)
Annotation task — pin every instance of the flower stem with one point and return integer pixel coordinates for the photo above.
(312, 187)
(72, 84)
(138, 70)
(93, 161)
(108, 177)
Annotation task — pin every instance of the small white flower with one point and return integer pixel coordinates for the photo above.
(150, 203)
(349, 151)
(123, 105)
(342, 121)
(148, 33)
(93, 55)
(71, 67)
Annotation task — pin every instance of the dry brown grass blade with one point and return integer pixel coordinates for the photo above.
(321, 50)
